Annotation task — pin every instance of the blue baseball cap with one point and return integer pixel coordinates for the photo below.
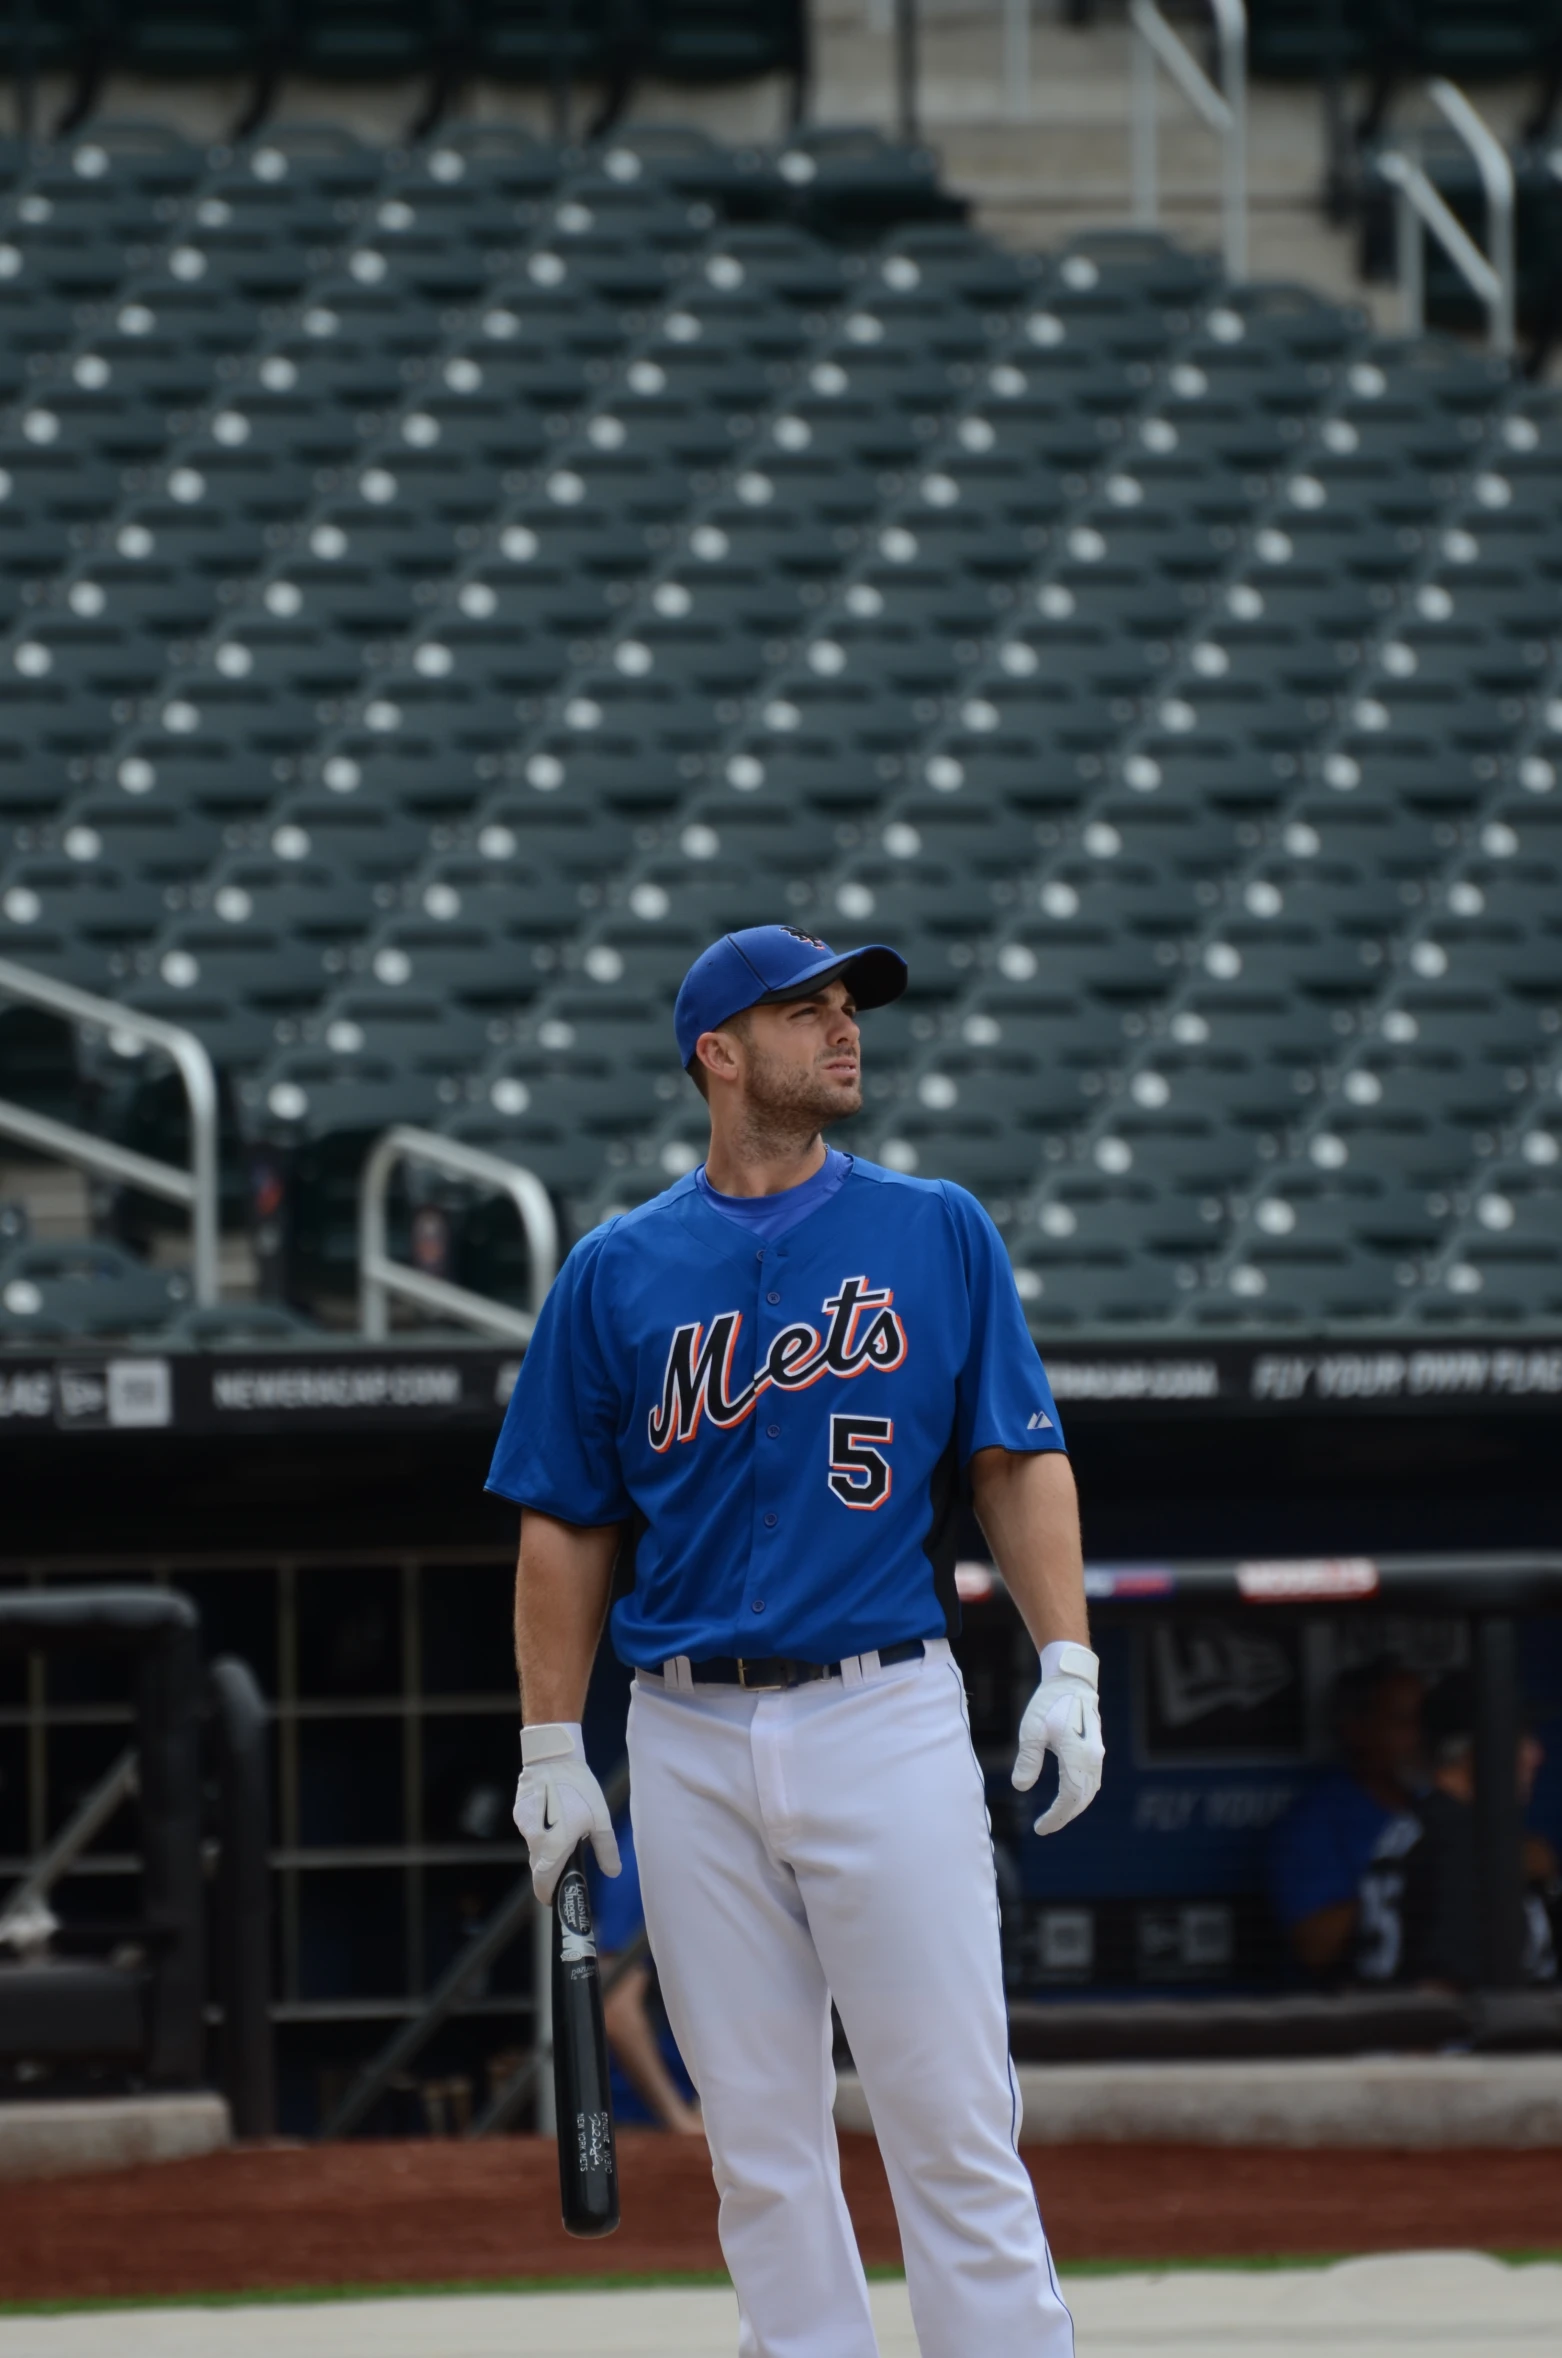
(767, 963)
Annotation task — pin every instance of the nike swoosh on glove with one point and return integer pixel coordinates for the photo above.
(1063, 1716)
(559, 1804)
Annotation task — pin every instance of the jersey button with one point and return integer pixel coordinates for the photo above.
(758, 1605)
(771, 1521)
(772, 1432)
(772, 1296)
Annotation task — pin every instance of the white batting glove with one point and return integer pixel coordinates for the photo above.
(558, 1803)
(1063, 1716)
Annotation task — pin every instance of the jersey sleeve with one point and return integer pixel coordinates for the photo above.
(558, 1448)
(1004, 1399)
(1308, 1868)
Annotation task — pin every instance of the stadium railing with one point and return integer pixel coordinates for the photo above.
(1419, 208)
(380, 1277)
(1222, 111)
(195, 1186)
(241, 1929)
(147, 2014)
(143, 2007)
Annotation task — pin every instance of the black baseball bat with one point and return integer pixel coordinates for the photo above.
(583, 2106)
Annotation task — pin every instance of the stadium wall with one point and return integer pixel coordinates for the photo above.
(269, 1452)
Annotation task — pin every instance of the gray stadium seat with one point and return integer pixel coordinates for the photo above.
(51, 1291)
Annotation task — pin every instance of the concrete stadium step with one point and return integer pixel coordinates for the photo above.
(74, 2135)
(1398, 2101)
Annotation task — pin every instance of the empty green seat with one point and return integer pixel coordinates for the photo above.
(52, 1291)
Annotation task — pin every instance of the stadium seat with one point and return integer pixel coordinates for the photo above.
(1062, 1292)
(236, 1325)
(50, 1291)
(40, 1066)
(727, 41)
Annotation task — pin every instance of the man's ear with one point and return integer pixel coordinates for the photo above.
(715, 1053)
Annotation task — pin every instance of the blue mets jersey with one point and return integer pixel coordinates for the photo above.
(782, 1428)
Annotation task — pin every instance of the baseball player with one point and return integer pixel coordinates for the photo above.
(745, 1422)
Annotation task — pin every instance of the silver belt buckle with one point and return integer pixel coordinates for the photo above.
(758, 1686)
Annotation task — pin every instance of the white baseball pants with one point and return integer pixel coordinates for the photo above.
(833, 1840)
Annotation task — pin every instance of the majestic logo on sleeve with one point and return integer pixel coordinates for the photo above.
(863, 1332)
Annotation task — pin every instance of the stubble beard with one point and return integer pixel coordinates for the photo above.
(786, 1106)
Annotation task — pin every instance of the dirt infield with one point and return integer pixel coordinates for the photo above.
(436, 2212)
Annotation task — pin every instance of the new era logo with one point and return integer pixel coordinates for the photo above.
(1040, 1422)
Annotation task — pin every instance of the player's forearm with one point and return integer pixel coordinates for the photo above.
(563, 1579)
(1029, 1511)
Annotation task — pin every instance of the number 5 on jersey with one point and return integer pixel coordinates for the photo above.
(859, 1473)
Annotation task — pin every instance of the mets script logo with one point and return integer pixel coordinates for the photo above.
(863, 1332)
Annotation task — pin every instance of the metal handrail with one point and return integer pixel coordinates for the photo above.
(25, 1912)
(379, 1277)
(1222, 111)
(195, 1187)
(242, 1918)
(1018, 74)
(1416, 202)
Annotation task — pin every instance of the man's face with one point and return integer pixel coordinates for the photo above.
(1384, 1743)
(802, 1062)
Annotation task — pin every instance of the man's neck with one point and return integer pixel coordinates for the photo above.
(753, 1163)
(1385, 1790)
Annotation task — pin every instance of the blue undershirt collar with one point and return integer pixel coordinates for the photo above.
(768, 1216)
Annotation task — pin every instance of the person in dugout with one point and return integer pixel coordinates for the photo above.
(1441, 1887)
(1337, 1858)
(649, 2083)
(1374, 1873)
